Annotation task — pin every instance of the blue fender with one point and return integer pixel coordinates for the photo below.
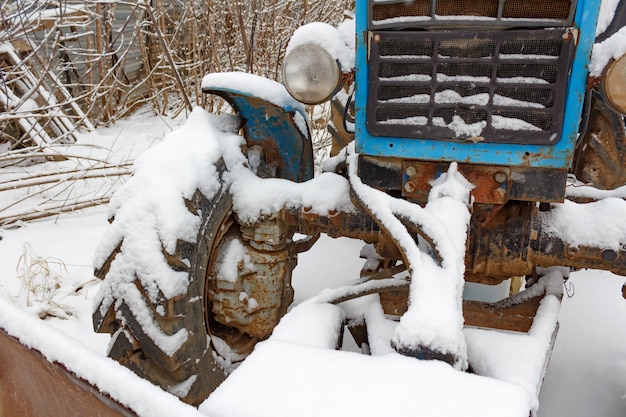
(272, 126)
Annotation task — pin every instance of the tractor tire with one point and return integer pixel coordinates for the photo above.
(193, 368)
(134, 347)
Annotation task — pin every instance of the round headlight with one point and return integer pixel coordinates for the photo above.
(310, 74)
(614, 85)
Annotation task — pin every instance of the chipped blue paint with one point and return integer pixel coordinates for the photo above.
(557, 156)
(273, 127)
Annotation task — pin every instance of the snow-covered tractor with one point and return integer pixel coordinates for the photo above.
(474, 141)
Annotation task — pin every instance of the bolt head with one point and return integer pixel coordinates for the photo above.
(500, 177)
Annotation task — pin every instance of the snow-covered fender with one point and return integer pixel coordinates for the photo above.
(272, 119)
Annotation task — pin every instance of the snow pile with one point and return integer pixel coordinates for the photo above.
(580, 190)
(254, 86)
(312, 324)
(460, 127)
(254, 197)
(612, 48)
(287, 379)
(516, 358)
(299, 357)
(347, 28)
(508, 123)
(604, 225)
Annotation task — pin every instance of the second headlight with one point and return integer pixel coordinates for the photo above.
(310, 74)
(614, 85)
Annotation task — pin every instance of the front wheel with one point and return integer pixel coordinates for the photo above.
(235, 293)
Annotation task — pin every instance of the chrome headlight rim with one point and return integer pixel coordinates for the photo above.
(310, 74)
(613, 87)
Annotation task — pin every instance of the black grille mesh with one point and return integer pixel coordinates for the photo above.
(421, 13)
(496, 86)
(486, 8)
(537, 9)
(382, 12)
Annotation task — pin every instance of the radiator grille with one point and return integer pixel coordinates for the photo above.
(420, 13)
(493, 86)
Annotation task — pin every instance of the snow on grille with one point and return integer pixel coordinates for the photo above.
(421, 13)
(492, 86)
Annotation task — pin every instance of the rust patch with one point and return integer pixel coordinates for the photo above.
(517, 318)
(32, 386)
(493, 184)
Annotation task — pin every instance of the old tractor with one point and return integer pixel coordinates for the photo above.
(470, 146)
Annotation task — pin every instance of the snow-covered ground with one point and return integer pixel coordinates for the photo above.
(586, 376)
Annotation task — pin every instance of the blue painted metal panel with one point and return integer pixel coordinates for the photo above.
(273, 128)
(555, 156)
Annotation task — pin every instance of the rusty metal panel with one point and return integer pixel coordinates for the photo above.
(517, 318)
(32, 386)
(493, 184)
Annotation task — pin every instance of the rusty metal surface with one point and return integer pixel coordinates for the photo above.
(253, 298)
(339, 118)
(600, 157)
(548, 251)
(517, 318)
(357, 225)
(252, 302)
(32, 386)
(517, 238)
(498, 248)
(493, 184)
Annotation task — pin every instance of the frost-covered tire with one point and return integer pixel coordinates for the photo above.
(188, 369)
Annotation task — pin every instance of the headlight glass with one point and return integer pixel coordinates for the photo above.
(614, 85)
(310, 74)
